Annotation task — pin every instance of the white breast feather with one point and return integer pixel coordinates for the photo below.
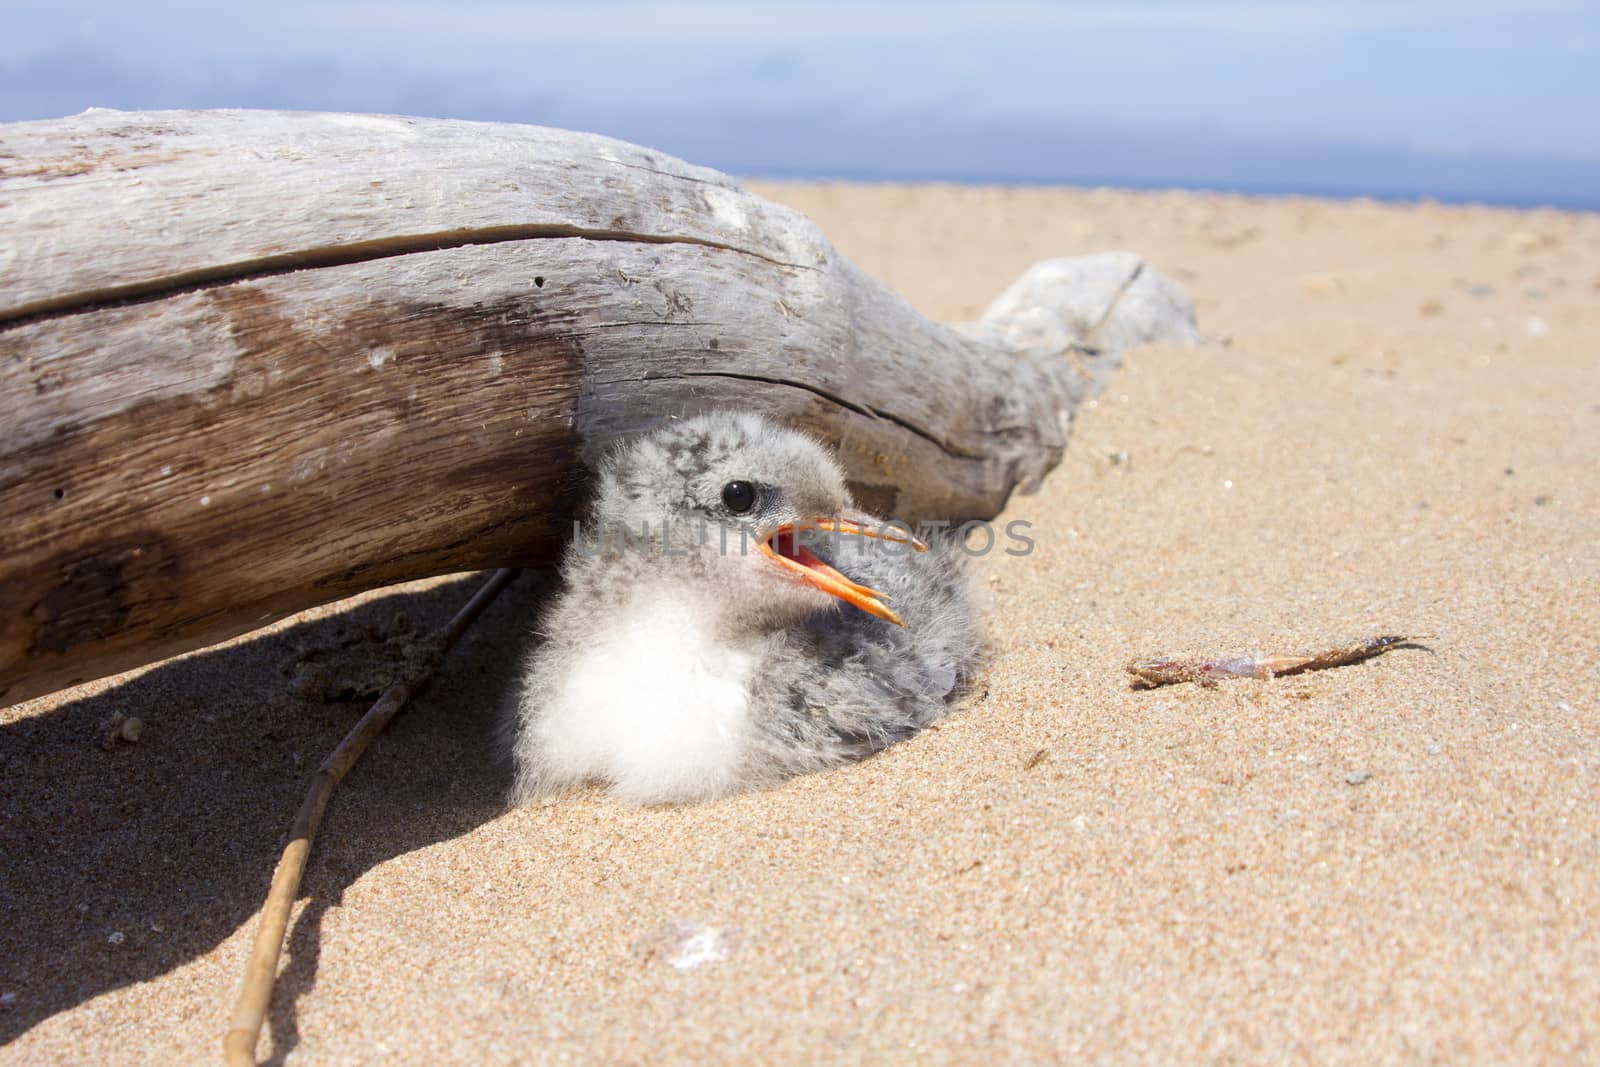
(657, 707)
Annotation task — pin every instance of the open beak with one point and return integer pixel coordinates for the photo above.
(784, 549)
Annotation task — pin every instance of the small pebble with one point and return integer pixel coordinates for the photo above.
(1562, 705)
(686, 944)
(116, 937)
(1433, 748)
(1357, 777)
(132, 729)
(7, 999)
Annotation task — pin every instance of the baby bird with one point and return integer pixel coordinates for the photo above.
(728, 620)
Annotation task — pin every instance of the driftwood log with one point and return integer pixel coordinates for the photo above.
(251, 362)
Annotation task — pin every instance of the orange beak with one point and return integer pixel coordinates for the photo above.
(783, 549)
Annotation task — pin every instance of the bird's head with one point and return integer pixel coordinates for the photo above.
(735, 503)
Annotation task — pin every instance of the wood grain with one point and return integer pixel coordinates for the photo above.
(251, 362)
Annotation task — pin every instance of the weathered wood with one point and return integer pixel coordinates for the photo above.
(251, 361)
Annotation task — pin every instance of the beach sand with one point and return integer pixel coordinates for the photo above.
(1394, 429)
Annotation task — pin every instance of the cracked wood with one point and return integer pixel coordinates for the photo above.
(251, 362)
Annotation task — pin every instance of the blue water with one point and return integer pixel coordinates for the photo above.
(1563, 201)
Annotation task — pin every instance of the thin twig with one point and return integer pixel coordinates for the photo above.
(250, 1011)
(1151, 673)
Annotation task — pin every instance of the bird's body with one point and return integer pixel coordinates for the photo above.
(699, 645)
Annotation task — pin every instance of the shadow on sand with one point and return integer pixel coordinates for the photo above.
(122, 861)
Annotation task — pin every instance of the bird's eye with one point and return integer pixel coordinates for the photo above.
(739, 497)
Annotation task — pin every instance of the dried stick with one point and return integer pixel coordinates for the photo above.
(1149, 674)
(255, 994)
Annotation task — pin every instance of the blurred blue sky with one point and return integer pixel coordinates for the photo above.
(1470, 99)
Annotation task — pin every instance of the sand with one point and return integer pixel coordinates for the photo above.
(1395, 429)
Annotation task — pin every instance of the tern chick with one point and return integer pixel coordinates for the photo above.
(728, 620)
